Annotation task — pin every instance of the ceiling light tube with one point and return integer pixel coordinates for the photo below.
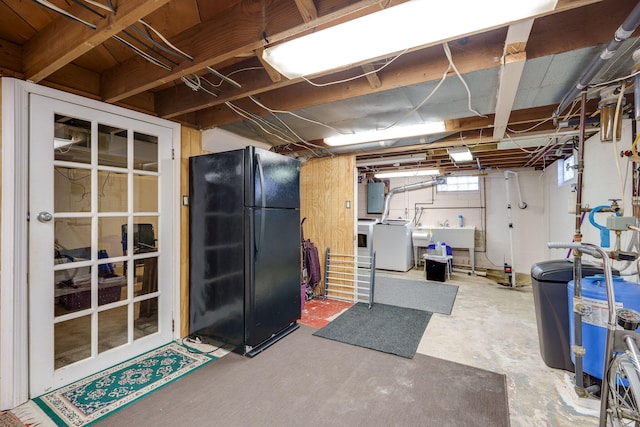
(395, 29)
(395, 132)
(408, 173)
(460, 154)
(392, 160)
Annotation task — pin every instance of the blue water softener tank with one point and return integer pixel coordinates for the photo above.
(594, 324)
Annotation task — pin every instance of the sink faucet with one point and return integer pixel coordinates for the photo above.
(446, 223)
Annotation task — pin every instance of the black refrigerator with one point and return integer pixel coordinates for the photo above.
(244, 251)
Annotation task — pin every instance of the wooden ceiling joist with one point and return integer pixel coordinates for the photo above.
(243, 28)
(307, 10)
(64, 40)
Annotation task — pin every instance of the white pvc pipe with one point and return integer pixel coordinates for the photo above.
(521, 205)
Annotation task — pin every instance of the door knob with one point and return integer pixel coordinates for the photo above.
(44, 217)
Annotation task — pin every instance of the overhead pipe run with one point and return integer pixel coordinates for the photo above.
(622, 33)
(409, 187)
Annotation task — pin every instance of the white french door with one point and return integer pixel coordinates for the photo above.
(100, 268)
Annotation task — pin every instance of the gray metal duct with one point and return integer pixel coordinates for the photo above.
(408, 187)
(622, 33)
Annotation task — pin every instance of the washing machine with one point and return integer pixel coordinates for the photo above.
(392, 245)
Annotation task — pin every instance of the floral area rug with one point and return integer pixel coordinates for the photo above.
(93, 398)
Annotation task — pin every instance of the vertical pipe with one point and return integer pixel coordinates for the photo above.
(577, 349)
(611, 327)
(510, 224)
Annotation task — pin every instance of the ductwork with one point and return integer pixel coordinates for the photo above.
(409, 187)
(622, 33)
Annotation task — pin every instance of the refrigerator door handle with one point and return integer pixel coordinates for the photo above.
(263, 199)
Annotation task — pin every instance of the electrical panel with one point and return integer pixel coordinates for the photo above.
(375, 197)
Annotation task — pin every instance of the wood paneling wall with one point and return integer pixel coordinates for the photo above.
(326, 186)
(190, 145)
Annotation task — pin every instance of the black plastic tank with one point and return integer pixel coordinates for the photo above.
(549, 280)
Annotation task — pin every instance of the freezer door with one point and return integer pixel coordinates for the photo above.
(273, 277)
(272, 180)
(216, 247)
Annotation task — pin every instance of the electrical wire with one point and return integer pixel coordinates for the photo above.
(240, 70)
(273, 114)
(62, 12)
(196, 350)
(451, 66)
(534, 126)
(447, 52)
(246, 115)
(249, 115)
(108, 8)
(143, 54)
(90, 9)
(170, 51)
(167, 42)
(193, 81)
(335, 82)
(148, 46)
(621, 56)
(433, 91)
(634, 148)
(618, 80)
(296, 115)
(73, 181)
(550, 138)
(263, 124)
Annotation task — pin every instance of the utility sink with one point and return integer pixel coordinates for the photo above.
(456, 237)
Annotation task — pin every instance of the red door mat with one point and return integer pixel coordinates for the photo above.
(318, 313)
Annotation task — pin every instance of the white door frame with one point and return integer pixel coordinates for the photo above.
(14, 360)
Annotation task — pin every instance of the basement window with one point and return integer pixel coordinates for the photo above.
(460, 183)
(566, 170)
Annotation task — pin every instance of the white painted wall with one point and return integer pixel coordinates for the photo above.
(601, 183)
(528, 224)
(545, 219)
(217, 140)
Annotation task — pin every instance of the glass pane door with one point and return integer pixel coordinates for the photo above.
(98, 237)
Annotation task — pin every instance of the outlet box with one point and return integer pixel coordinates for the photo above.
(620, 223)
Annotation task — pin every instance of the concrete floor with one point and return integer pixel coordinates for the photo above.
(494, 327)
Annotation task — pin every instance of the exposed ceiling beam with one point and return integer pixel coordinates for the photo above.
(307, 10)
(241, 29)
(511, 68)
(480, 52)
(204, 42)
(371, 75)
(64, 40)
(273, 74)
(472, 131)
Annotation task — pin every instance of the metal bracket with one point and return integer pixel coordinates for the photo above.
(578, 350)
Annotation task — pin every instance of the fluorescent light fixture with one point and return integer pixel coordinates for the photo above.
(392, 160)
(395, 132)
(61, 142)
(460, 154)
(408, 173)
(395, 29)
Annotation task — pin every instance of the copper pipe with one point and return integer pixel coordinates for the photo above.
(580, 163)
(577, 255)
